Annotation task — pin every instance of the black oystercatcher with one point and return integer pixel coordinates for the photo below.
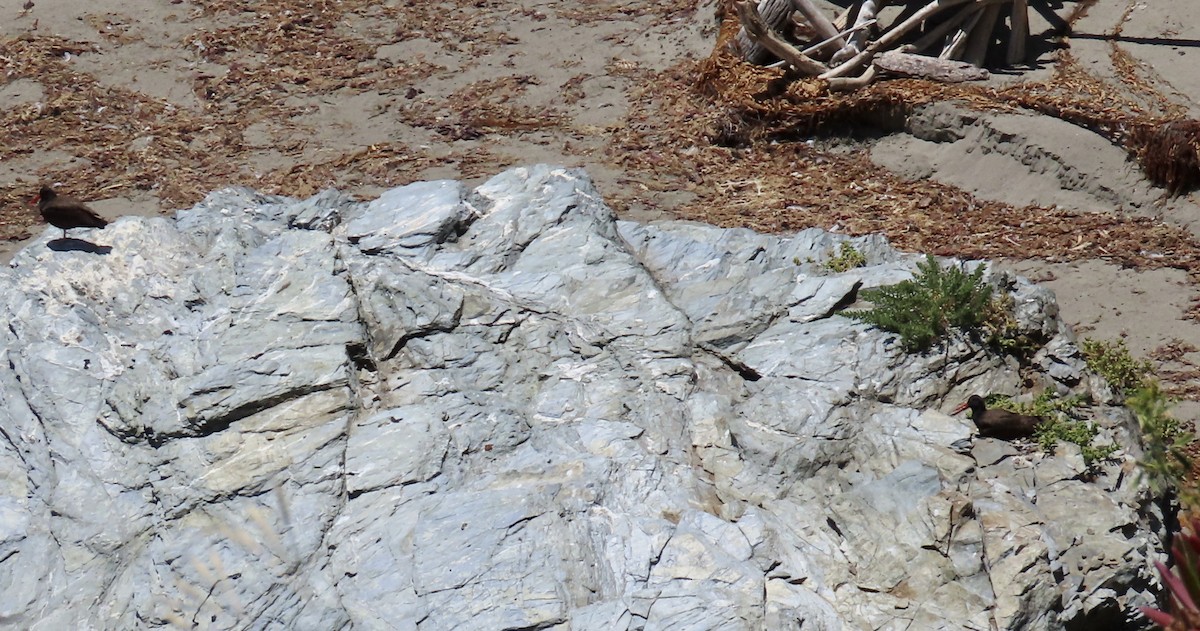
(998, 423)
(65, 212)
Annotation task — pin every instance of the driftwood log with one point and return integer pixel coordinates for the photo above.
(866, 12)
(821, 24)
(900, 64)
(773, 13)
(1018, 33)
(757, 28)
(971, 31)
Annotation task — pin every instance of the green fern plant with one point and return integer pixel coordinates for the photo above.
(922, 310)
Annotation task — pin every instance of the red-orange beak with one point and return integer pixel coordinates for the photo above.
(960, 408)
(36, 198)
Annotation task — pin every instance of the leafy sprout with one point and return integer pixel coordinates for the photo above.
(922, 310)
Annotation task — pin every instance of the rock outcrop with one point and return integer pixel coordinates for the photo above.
(505, 409)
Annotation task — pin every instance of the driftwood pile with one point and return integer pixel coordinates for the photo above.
(943, 40)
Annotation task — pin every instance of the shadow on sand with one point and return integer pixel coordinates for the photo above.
(77, 245)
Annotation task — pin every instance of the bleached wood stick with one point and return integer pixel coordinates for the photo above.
(937, 33)
(898, 31)
(755, 27)
(892, 36)
(844, 84)
(820, 23)
(775, 13)
(810, 49)
(953, 48)
(814, 47)
(981, 36)
(867, 10)
(846, 17)
(1020, 32)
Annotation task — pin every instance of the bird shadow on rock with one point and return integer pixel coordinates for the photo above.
(78, 245)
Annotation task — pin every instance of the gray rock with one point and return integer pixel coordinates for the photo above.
(409, 220)
(504, 409)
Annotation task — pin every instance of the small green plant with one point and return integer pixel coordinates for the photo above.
(1060, 422)
(1165, 463)
(1079, 432)
(1048, 404)
(1165, 466)
(1003, 332)
(847, 258)
(1112, 361)
(923, 309)
(1184, 584)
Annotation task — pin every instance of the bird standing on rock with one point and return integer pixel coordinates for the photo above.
(1000, 424)
(65, 212)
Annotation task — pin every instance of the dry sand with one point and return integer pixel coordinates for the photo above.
(182, 97)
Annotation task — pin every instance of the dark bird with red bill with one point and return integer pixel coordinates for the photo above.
(995, 423)
(65, 212)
